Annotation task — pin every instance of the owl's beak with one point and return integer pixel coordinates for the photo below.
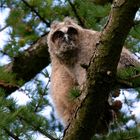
(66, 38)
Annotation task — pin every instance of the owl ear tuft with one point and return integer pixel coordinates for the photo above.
(54, 24)
(69, 20)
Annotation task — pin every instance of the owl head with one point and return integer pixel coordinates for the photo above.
(63, 38)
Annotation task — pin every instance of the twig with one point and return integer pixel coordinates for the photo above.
(11, 134)
(128, 83)
(3, 28)
(134, 77)
(33, 10)
(136, 22)
(138, 57)
(76, 13)
(36, 128)
(42, 95)
(124, 83)
(129, 109)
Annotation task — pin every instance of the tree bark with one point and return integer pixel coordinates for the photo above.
(27, 64)
(102, 71)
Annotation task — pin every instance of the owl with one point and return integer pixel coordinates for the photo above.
(70, 47)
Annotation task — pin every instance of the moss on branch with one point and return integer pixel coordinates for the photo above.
(102, 71)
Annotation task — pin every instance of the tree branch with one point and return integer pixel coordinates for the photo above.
(11, 134)
(3, 28)
(8, 87)
(136, 22)
(76, 13)
(36, 128)
(134, 77)
(30, 62)
(102, 71)
(33, 10)
(124, 84)
(128, 82)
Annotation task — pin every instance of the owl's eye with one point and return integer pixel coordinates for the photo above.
(72, 31)
(57, 35)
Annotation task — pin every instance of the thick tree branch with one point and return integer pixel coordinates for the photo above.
(102, 70)
(27, 64)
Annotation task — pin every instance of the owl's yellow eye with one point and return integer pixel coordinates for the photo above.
(57, 35)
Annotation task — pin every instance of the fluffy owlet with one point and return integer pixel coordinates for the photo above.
(70, 46)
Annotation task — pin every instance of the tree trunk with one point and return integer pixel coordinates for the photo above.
(102, 70)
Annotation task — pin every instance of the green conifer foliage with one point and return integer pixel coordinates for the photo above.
(28, 21)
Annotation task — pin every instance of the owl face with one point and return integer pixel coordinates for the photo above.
(65, 41)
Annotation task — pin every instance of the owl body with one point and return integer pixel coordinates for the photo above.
(71, 46)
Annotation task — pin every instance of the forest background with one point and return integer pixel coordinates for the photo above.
(27, 24)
